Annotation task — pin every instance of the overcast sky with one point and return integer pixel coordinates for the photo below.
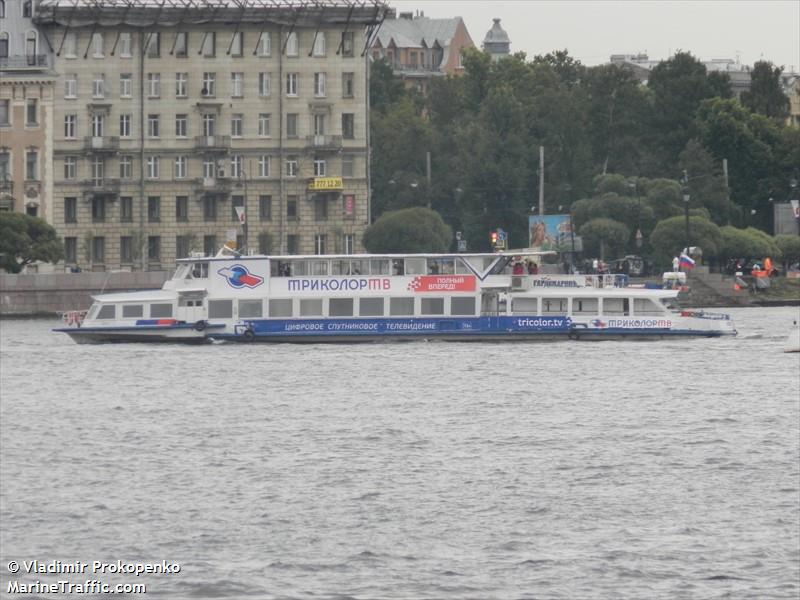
(594, 30)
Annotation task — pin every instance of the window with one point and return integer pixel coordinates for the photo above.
(32, 165)
(27, 9)
(265, 208)
(263, 165)
(182, 246)
(160, 311)
(401, 307)
(182, 209)
(220, 309)
(319, 124)
(209, 45)
(31, 112)
(125, 125)
(98, 210)
(125, 45)
(153, 45)
(209, 245)
(99, 252)
(319, 167)
(250, 309)
(340, 307)
(30, 47)
(264, 84)
(291, 166)
(71, 45)
(210, 211)
(237, 166)
(125, 85)
(3, 43)
(590, 306)
(154, 247)
(209, 82)
(370, 307)
(462, 305)
(181, 163)
(263, 124)
(321, 209)
(125, 249)
(153, 85)
(71, 85)
(98, 168)
(264, 47)
(348, 43)
(348, 162)
(291, 125)
(319, 85)
(181, 125)
(108, 311)
(291, 207)
(70, 167)
(70, 126)
(292, 45)
(319, 44)
(2, 9)
(237, 44)
(70, 250)
(555, 306)
(348, 126)
(181, 44)
(5, 173)
(98, 125)
(97, 45)
(349, 201)
(291, 84)
(237, 85)
(125, 166)
(348, 85)
(209, 124)
(236, 124)
(5, 112)
(320, 243)
(153, 209)
(209, 169)
(70, 210)
(126, 209)
(236, 201)
(153, 125)
(292, 243)
(280, 308)
(99, 86)
(311, 307)
(180, 84)
(152, 167)
(349, 243)
(432, 306)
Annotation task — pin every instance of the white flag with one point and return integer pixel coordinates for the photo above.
(240, 214)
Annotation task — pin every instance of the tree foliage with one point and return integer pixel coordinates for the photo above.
(668, 237)
(747, 243)
(604, 237)
(765, 95)
(789, 245)
(25, 239)
(410, 230)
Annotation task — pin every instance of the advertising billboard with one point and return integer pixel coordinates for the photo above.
(549, 232)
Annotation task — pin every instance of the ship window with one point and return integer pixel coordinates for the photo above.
(359, 267)
(298, 268)
(370, 307)
(200, 270)
(379, 267)
(280, 308)
(319, 268)
(340, 267)
(554, 306)
(615, 306)
(131, 311)
(645, 306)
(220, 309)
(399, 307)
(161, 311)
(462, 305)
(432, 306)
(462, 268)
(584, 306)
(340, 307)
(398, 268)
(524, 306)
(250, 309)
(107, 311)
(416, 266)
(311, 307)
(441, 266)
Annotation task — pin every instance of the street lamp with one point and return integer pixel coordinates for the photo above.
(635, 187)
(685, 182)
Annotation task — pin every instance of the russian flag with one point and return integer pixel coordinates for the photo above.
(687, 262)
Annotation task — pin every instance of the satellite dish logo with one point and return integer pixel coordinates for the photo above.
(238, 277)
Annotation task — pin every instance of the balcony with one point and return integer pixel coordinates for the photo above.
(6, 186)
(96, 145)
(101, 187)
(212, 143)
(332, 143)
(24, 63)
(213, 186)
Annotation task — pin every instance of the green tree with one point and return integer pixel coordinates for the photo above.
(789, 245)
(706, 184)
(747, 243)
(605, 238)
(384, 88)
(25, 239)
(765, 95)
(411, 230)
(669, 237)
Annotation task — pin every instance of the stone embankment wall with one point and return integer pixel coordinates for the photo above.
(51, 293)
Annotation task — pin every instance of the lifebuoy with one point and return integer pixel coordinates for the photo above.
(200, 325)
(249, 335)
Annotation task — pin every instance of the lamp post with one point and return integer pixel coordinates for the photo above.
(685, 182)
(635, 187)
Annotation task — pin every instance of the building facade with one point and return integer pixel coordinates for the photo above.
(26, 119)
(172, 120)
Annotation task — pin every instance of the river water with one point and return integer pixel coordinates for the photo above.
(420, 470)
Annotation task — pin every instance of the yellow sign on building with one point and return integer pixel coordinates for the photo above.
(323, 184)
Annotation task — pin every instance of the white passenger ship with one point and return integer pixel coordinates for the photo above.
(355, 298)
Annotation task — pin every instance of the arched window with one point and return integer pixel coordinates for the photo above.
(2, 9)
(30, 47)
(3, 43)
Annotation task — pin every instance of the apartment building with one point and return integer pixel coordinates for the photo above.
(171, 116)
(26, 102)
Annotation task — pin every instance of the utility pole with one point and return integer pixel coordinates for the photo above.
(541, 181)
(727, 191)
(686, 198)
(428, 171)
